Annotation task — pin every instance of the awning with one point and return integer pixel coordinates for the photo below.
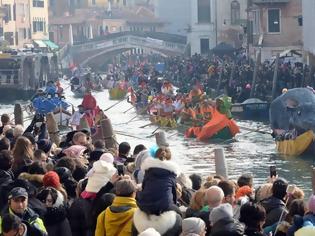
(40, 43)
(51, 44)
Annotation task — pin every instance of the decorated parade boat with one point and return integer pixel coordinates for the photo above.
(192, 114)
(292, 121)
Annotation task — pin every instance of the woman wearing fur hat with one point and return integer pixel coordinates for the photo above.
(55, 219)
(157, 199)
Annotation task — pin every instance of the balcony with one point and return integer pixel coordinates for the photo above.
(270, 1)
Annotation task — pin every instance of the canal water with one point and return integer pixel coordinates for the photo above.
(250, 152)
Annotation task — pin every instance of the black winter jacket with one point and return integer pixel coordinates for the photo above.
(274, 208)
(227, 227)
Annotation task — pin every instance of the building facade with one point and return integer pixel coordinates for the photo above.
(179, 23)
(202, 35)
(276, 26)
(39, 19)
(231, 22)
(309, 30)
(16, 23)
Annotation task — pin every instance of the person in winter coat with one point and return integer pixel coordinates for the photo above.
(138, 174)
(117, 219)
(299, 220)
(18, 205)
(253, 216)
(55, 219)
(196, 204)
(22, 155)
(222, 222)
(193, 226)
(6, 175)
(275, 204)
(159, 184)
(187, 190)
(80, 212)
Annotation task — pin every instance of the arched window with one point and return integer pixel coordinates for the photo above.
(235, 12)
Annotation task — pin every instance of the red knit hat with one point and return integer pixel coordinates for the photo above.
(51, 179)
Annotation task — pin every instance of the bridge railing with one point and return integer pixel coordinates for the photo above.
(134, 41)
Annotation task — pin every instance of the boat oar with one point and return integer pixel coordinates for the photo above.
(132, 119)
(146, 125)
(255, 130)
(114, 105)
(154, 131)
(127, 110)
(127, 135)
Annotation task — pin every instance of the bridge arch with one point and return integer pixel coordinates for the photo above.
(164, 44)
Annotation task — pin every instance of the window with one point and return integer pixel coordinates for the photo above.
(24, 33)
(256, 22)
(235, 12)
(38, 3)
(93, 2)
(14, 12)
(8, 36)
(16, 38)
(39, 25)
(274, 20)
(125, 2)
(8, 15)
(204, 46)
(204, 15)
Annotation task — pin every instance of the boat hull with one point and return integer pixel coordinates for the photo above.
(297, 146)
(251, 111)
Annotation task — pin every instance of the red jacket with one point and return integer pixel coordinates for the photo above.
(89, 102)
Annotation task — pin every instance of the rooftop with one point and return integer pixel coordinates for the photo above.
(140, 15)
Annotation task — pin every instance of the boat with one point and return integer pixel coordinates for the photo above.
(297, 146)
(163, 122)
(43, 105)
(117, 93)
(251, 109)
(78, 91)
(219, 127)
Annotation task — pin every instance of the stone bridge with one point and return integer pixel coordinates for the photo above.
(162, 43)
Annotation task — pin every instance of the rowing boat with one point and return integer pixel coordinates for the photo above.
(117, 93)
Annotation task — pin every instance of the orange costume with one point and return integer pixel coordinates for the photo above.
(195, 94)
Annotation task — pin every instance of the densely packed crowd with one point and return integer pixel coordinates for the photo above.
(236, 75)
(82, 188)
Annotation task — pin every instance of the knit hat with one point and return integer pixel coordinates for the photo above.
(51, 179)
(108, 157)
(44, 145)
(99, 175)
(244, 191)
(74, 151)
(150, 232)
(192, 225)
(221, 212)
(311, 204)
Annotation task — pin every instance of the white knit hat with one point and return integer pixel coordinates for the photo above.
(102, 172)
(150, 232)
(108, 157)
